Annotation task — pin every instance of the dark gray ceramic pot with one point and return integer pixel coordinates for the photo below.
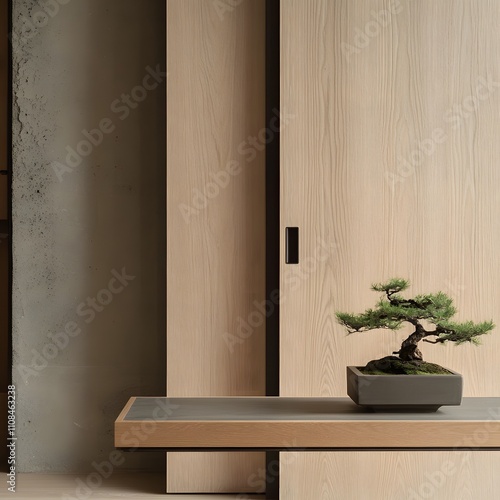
(404, 392)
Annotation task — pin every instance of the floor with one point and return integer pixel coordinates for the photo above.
(74, 487)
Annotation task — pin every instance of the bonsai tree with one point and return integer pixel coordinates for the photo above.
(430, 316)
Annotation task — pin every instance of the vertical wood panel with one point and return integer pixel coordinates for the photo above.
(4, 310)
(416, 475)
(3, 431)
(389, 168)
(215, 245)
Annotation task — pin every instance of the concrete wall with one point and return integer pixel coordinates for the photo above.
(83, 343)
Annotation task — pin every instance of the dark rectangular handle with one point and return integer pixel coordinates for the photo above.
(292, 245)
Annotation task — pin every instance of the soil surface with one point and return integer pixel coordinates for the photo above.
(392, 365)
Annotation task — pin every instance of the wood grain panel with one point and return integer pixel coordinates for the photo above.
(332, 434)
(356, 121)
(416, 475)
(3, 431)
(215, 220)
(4, 308)
(4, 84)
(389, 168)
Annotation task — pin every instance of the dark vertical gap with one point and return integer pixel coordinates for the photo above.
(272, 195)
(272, 226)
(165, 468)
(6, 238)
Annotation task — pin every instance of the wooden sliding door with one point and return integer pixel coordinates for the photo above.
(389, 167)
(215, 221)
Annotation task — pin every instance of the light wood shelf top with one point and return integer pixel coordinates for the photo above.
(261, 423)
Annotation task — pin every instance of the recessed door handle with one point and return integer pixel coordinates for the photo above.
(292, 245)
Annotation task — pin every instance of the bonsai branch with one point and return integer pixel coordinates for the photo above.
(393, 310)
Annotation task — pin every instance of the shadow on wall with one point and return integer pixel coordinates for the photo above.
(89, 220)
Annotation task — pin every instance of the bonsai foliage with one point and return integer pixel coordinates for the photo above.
(393, 310)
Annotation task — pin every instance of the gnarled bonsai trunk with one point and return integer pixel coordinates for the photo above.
(409, 348)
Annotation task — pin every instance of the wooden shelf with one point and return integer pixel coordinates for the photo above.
(267, 423)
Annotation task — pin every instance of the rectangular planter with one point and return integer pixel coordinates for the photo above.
(404, 392)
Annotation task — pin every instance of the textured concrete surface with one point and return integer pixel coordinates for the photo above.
(88, 242)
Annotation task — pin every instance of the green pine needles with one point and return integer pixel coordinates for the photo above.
(435, 309)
